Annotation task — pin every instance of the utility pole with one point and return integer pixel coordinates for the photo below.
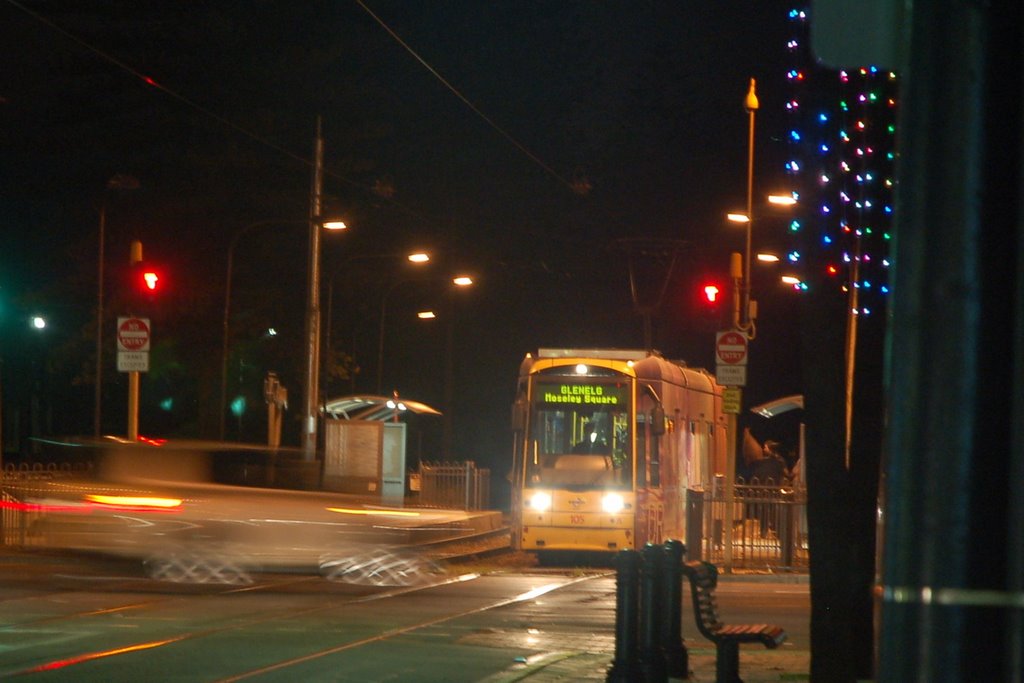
(311, 403)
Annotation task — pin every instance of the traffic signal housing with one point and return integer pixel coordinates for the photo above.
(146, 279)
(710, 297)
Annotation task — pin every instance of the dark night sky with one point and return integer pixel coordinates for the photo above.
(642, 100)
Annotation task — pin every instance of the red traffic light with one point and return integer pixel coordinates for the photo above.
(150, 280)
(711, 293)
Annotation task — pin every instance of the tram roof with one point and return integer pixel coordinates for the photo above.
(606, 354)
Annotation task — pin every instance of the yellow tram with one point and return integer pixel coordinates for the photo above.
(606, 444)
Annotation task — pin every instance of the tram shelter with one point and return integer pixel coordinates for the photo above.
(365, 439)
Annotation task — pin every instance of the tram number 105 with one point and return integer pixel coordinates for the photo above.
(576, 519)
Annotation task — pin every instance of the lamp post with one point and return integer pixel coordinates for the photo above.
(417, 258)
(457, 281)
(117, 182)
(751, 104)
(235, 239)
(227, 310)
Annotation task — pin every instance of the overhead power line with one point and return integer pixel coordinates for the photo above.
(574, 187)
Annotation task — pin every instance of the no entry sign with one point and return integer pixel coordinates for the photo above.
(133, 334)
(731, 348)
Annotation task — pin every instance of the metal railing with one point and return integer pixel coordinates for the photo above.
(461, 486)
(769, 525)
(18, 482)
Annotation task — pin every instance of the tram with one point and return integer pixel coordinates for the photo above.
(606, 445)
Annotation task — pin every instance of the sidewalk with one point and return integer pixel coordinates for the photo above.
(579, 649)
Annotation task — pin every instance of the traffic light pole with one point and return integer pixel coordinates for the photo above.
(133, 406)
(134, 258)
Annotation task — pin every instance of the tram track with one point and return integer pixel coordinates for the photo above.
(238, 624)
(335, 608)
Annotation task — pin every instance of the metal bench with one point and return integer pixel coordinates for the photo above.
(703, 577)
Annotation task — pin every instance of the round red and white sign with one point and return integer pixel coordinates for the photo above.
(132, 334)
(731, 347)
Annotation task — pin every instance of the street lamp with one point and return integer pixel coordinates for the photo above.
(117, 182)
(235, 239)
(417, 258)
(457, 281)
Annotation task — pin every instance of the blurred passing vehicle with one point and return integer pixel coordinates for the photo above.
(159, 503)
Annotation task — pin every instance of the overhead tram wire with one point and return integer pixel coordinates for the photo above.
(152, 82)
(476, 110)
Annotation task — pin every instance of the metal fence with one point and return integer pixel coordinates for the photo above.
(462, 486)
(769, 525)
(18, 482)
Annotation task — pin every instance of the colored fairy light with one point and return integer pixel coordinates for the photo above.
(794, 225)
(831, 270)
(845, 175)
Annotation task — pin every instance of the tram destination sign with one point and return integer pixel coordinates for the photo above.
(576, 393)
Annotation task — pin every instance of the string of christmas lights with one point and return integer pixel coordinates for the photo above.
(842, 136)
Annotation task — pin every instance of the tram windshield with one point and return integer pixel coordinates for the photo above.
(580, 435)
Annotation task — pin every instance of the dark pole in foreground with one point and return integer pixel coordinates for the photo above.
(652, 659)
(625, 668)
(677, 662)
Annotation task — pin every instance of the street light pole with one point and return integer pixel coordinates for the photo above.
(227, 310)
(457, 281)
(751, 105)
(117, 182)
(380, 333)
(417, 258)
(311, 402)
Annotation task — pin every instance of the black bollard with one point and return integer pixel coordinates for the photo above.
(625, 668)
(652, 658)
(677, 662)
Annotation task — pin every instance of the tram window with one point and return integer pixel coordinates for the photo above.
(582, 443)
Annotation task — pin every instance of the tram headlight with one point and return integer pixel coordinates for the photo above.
(540, 501)
(612, 503)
